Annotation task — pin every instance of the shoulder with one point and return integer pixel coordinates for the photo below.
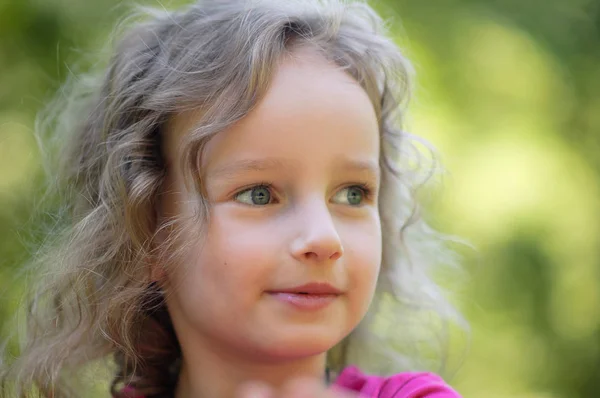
(402, 385)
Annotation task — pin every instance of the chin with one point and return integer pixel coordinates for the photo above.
(293, 352)
(302, 343)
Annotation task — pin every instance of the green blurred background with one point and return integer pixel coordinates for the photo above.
(507, 92)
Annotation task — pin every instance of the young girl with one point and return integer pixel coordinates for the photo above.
(240, 215)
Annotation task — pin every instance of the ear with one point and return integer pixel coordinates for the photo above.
(157, 271)
(155, 259)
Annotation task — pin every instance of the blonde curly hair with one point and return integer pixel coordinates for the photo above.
(97, 298)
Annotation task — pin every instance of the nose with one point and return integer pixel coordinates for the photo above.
(317, 239)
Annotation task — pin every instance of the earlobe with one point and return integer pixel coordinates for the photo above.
(155, 259)
(160, 238)
(157, 273)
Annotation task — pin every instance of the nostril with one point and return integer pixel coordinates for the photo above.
(335, 255)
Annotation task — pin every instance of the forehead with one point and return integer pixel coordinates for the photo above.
(311, 108)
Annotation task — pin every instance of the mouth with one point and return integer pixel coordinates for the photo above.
(308, 297)
(313, 288)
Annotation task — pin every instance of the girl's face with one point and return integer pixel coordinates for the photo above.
(293, 199)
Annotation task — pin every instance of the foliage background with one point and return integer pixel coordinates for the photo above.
(507, 92)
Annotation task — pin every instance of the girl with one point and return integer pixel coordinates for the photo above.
(240, 218)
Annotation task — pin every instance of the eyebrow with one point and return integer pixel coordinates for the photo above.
(265, 164)
(359, 166)
(249, 165)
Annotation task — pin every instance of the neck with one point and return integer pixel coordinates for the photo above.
(214, 373)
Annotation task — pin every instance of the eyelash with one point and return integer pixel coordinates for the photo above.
(366, 188)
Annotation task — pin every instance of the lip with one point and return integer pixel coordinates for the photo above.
(313, 288)
(308, 297)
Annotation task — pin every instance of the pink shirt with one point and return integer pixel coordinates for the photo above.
(402, 385)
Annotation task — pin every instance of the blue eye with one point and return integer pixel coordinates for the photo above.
(353, 195)
(259, 195)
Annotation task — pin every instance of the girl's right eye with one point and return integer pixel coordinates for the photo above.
(259, 195)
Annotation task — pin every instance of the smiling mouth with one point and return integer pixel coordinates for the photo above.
(308, 297)
(305, 301)
(313, 288)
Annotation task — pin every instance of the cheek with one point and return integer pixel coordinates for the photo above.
(363, 249)
(249, 248)
(236, 259)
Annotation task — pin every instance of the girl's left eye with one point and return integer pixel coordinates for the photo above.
(353, 195)
(259, 195)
